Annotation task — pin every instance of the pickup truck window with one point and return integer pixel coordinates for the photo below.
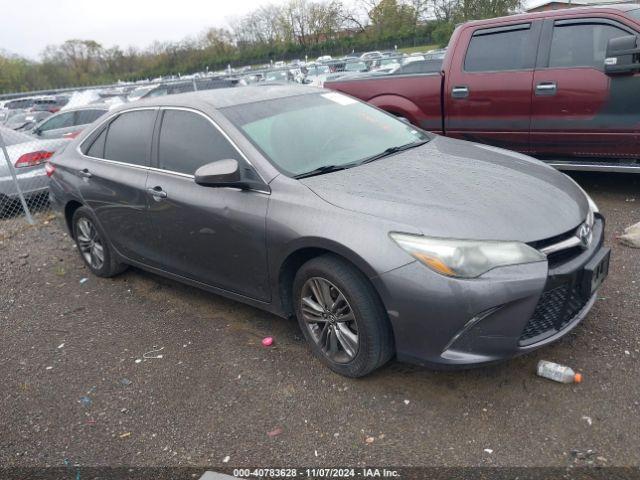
(499, 50)
(581, 45)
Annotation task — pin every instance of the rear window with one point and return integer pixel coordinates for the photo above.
(500, 49)
(129, 137)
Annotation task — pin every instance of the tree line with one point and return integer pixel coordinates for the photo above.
(283, 31)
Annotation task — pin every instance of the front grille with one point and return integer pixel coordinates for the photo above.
(555, 310)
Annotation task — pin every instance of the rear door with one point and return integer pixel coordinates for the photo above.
(488, 89)
(212, 235)
(579, 111)
(114, 174)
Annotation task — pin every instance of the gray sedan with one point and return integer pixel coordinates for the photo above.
(381, 239)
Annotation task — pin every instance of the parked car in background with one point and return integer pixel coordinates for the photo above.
(560, 85)
(69, 122)
(27, 156)
(368, 56)
(49, 104)
(266, 195)
(175, 87)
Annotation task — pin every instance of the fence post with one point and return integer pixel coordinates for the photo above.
(15, 180)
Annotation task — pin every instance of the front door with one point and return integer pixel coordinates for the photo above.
(578, 110)
(216, 236)
(488, 90)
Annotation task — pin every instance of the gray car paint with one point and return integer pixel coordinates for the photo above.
(447, 188)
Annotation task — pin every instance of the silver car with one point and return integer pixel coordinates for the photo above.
(69, 122)
(27, 157)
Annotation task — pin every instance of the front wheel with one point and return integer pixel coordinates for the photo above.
(342, 317)
(93, 245)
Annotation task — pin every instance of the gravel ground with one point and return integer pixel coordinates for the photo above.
(77, 386)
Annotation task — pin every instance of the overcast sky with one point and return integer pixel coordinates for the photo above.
(27, 26)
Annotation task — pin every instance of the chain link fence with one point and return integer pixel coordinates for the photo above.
(24, 184)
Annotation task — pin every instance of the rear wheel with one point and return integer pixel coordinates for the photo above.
(93, 246)
(342, 317)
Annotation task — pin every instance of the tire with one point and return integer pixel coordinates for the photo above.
(327, 329)
(87, 234)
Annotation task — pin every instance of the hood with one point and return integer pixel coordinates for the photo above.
(454, 189)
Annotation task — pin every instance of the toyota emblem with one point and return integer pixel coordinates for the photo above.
(585, 234)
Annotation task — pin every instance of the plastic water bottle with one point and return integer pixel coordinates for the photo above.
(558, 373)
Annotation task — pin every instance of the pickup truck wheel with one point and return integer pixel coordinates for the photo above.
(341, 317)
(93, 246)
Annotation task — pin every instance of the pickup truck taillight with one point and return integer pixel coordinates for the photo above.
(49, 168)
(32, 159)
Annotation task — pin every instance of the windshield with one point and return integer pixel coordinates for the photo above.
(306, 132)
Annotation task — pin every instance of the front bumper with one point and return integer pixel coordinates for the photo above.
(446, 322)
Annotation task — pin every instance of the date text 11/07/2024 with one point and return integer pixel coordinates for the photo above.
(317, 473)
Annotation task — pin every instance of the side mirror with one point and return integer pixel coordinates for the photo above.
(623, 55)
(37, 132)
(228, 173)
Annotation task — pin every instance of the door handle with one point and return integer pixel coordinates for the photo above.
(84, 173)
(460, 91)
(157, 192)
(546, 88)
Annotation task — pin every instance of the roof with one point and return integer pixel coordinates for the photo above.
(541, 3)
(610, 8)
(226, 97)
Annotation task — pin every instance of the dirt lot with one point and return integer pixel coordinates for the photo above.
(77, 386)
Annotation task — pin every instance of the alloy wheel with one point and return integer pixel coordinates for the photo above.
(90, 243)
(329, 319)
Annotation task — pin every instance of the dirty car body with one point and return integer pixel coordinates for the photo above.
(476, 254)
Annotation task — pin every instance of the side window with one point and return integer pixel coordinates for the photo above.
(84, 117)
(188, 141)
(491, 50)
(97, 147)
(581, 45)
(129, 137)
(63, 120)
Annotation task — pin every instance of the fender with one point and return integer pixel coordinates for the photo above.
(399, 106)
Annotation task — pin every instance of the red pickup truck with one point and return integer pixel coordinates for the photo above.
(563, 86)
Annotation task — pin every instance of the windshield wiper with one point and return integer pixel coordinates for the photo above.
(392, 150)
(323, 169)
(378, 156)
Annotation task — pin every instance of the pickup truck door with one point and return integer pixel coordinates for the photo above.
(578, 111)
(489, 84)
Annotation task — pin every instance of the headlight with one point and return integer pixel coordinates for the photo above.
(465, 258)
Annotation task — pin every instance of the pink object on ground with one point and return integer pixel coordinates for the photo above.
(267, 341)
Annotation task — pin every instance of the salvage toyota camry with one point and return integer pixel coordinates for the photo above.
(382, 239)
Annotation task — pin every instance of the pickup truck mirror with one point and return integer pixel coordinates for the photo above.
(623, 55)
